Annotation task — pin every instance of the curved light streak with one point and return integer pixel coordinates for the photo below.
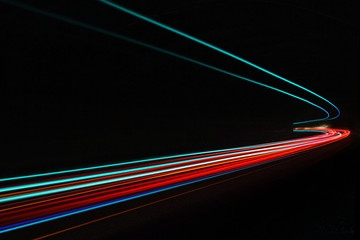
(143, 44)
(248, 152)
(176, 31)
(146, 160)
(69, 192)
(102, 187)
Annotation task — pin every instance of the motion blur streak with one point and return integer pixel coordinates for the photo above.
(42, 197)
(176, 31)
(51, 197)
(143, 44)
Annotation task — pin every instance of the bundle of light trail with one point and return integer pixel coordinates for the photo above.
(38, 198)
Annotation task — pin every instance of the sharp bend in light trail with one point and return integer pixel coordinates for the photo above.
(45, 197)
(176, 31)
(143, 44)
(38, 198)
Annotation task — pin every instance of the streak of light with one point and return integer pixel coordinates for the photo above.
(148, 204)
(101, 188)
(49, 196)
(143, 44)
(176, 31)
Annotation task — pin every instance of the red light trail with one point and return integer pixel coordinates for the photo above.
(38, 198)
(49, 197)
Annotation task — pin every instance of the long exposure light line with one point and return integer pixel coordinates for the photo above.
(145, 160)
(96, 206)
(88, 208)
(91, 190)
(54, 208)
(7, 199)
(134, 41)
(59, 194)
(119, 36)
(151, 203)
(290, 146)
(176, 31)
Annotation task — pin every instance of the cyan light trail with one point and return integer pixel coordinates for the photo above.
(38, 205)
(109, 203)
(35, 209)
(149, 160)
(176, 31)
(249, 152)
(134, 41)
(94, 176)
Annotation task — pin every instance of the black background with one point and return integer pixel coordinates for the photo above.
(76, 97)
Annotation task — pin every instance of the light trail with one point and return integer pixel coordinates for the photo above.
(139, 161)
(145, 168)
(152, 203)
(38, 198)
(146, 45)
(104, 187)
(178, 32)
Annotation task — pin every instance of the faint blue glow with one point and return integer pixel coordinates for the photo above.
(96, 206)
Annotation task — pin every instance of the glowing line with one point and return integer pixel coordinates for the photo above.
(18, 197)
(334, 136)
(148, 160)
(111, 202)
(149, 167)
(312, 144)
(112, 34)
(128, 11)
(96, 206)
(116, 35)
(148, 204)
